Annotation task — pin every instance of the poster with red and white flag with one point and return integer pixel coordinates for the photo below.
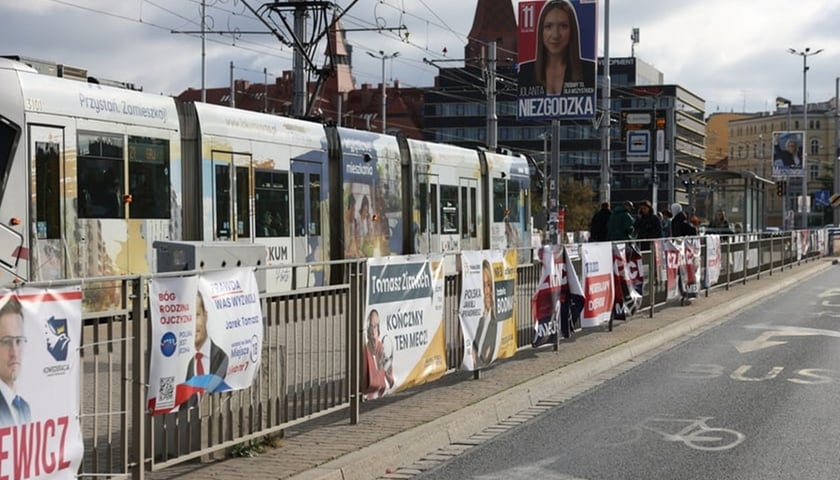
(40, 334)
(627, 299)
(597, 283)
(206, 336)
(559, 297)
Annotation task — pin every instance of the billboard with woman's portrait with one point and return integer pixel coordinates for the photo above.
(557, 59)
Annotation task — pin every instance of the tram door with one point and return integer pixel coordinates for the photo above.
(469, 212)
(233, 217)
(427, 191)
(47, 153)
(307, 224)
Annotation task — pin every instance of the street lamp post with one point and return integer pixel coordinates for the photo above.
(805, 54)
(384, 57)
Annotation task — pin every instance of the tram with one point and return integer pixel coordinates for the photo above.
(93, 176)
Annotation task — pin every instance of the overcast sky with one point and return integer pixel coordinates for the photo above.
(732, 53)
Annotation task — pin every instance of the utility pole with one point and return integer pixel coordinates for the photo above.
(299, 75)
(836, 218)
(606, 88)
(805, 54)
(492, 116)
(384, 57)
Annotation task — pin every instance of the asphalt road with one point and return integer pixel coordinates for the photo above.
(753, 397)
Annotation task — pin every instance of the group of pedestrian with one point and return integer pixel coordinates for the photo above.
(620, 223)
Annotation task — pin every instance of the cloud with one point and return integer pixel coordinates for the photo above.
(730, 52)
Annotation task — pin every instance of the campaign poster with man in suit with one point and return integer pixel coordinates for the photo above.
(207, 337)
(40, 331)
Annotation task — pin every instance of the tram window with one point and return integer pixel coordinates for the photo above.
(433, 207)
(465, 218)
(47, 193)
(148, 177)
(513, 202)
(271, 198)
(222, 202)
(499, 200)
(449, 209)
(100, 173)
(243, 217)
(315, 204)
(423, 205)
(473, 212)
(299, 197)
(9, 134)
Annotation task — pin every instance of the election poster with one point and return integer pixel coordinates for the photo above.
(713, 260)
(628, 300)
(787, 154)
(486, 313)
(557, 59)
(597, 283)
(674, 258)
(206, 337)
(690, 268)
(40, 333)
(559, 298)
(403, 323)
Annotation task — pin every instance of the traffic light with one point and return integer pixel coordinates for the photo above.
(781, 188)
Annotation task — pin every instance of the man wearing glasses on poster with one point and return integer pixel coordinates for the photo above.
(14, 410)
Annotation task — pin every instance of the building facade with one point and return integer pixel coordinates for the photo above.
(751, 148)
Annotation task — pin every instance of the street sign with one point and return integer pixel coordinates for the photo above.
(821, 198)
(638, 145)
(637, 119)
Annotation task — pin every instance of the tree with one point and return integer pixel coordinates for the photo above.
(581, 203)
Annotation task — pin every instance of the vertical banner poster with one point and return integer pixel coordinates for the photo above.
(690, 272)
(403, 324)
(674, 258)
(557, 59)
(597, 283)
(488, 322)
(206, 337)
(40, 332)
(802, 244)
(559, 297)
(713, 260)
(627, 299)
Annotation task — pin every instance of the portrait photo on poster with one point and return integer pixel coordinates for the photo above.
(559, 64)
(787, 151)
(485, 342)
(14, 409)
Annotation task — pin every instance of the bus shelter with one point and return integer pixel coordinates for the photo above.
(739, 194)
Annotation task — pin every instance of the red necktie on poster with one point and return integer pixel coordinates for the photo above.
(199, 365)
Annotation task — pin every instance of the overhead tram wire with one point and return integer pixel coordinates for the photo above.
(169, 29)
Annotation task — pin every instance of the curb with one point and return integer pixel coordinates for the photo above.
(411, 445)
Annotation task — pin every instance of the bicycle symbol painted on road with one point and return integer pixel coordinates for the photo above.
(694, 433)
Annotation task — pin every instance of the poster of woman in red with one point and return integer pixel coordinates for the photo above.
(39, 354)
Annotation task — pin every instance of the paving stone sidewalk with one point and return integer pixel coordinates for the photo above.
(415, 423)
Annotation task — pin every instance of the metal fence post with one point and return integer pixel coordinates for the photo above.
(354, 336)
(138, 378)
